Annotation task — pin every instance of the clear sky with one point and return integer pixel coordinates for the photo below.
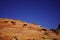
(41, 12)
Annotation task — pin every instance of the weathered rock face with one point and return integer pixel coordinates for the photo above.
(17, 30)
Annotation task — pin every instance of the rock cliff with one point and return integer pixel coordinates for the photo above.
(11, 29)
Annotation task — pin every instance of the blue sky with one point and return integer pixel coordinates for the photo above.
(41, 12)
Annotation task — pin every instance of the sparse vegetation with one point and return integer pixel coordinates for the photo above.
(56, 30)
(58, 27)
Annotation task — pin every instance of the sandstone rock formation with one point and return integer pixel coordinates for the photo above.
(18, 30)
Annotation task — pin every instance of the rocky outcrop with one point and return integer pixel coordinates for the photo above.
(18, 30)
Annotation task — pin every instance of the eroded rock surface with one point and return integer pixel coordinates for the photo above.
(18, 30)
